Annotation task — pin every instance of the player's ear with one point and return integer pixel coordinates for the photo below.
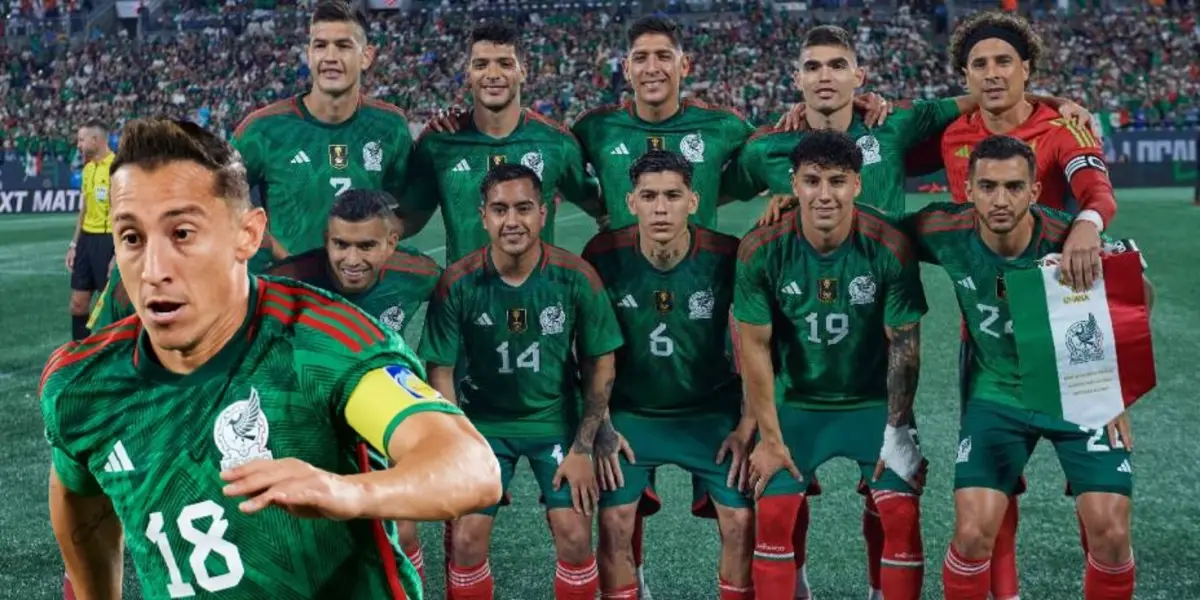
(857, 185)
(368, 56)
(693, 202)
(253, 228)
(1035, 192)
(860, 77)
(685, 65)
(795, 183)
(631, 203)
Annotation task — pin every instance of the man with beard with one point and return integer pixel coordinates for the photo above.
(538, 334)
(448, 165)
(303, 151)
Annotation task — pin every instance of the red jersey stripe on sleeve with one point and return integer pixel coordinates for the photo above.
(347, 318)
(561, 258)
(465, 266)
(74, 352)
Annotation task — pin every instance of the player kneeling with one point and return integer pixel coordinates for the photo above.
(227, 395)
(676, 398)
(520, 310)
(835, 292)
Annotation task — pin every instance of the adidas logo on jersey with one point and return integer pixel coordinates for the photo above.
(118, 460)
(620, 150)
(792, 289)
(484, 320)
(628, 302)
(1125, 467)
(462, 167)
(300, 158)
(967, 282)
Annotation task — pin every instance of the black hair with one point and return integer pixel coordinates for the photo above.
(358, 205)
(152, 143)
(661, 161)
(995, 24)
(509, 172)
(655, 24)
(96, 124)
(499, 33)
(829, 35)
(828, 149)
(339, 11)
(1002, 147)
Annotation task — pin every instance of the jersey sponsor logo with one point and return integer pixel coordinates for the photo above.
(964, 451)
(862, 290)
(692, 147)
(552, 319)
(700, 305)
(373, 156)
(410, 383)
(664, 301)
(393, 317)
(628, 302)
(118, 460)
(518, 320)
(620, 150)
(869, 146)
(534, 161)
(496, 160)
(484, 320)
(1087, 161)
(339, 156)
(1085, 341)
(827, 289)
(301, 158)
(462, 167)
(655, 142)
(792, 289)
(241, 431)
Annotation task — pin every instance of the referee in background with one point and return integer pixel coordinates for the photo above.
(91, 250)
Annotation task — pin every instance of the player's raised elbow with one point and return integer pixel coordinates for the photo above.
(478, 473)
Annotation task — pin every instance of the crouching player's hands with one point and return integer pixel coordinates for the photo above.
(901, 453)
(297, 487)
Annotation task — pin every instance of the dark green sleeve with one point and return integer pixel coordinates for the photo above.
(442, 340)
(912, 225)
(925, 120)
(904, 296)
(248, 142)
(395, 180)
(751, 293)
(745, 177)
(573, 183)
(421, 187)
(596, 329)
(70, 468)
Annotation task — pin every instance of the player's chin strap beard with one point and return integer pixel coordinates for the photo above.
(1013, 38)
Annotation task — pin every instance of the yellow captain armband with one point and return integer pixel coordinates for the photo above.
(386, 396)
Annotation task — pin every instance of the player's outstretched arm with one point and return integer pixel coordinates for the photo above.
(900, 452)
(758, 378)
(91, 540)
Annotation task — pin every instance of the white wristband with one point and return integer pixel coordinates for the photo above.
(1091, 216)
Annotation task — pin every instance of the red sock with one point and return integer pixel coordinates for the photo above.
(965, 579)
(800, 534)
(1005, 584)
(637, 541)
(1108, 582)
(1082, 532)
(576, 581)
(447, 553)
(417, 558)
(68, 591)
(774, 566)
(471, 583)
(872, 531)
(728, 591)
(629, 592)
(902, 563)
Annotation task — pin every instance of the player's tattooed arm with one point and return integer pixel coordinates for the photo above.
(90, 537)
(599, 374)
(903, 371)
(441, 378)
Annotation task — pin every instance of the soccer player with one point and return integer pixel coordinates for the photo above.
(676, 399)
(212, 426)
(521, 311)
(303, 151)
(1004, 228)
(90, 252)
(614, 136)
(835, 292)
(448, 166)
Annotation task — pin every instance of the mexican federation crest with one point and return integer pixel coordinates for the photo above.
(700, 305)
(552, 319)
(692, 147)
(862, 290)
(240, 432)
(534, 161)
(870, 149)
(393, 317)
(372, 156)
(1085, 341)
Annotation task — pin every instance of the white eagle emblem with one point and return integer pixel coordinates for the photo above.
(534, 161)
(870, 149)
(862, 290)
(692, 147)
(240, 432)
(1085, 341)
(373, 156)
(552, 319)
(393, 317)
(700, 305)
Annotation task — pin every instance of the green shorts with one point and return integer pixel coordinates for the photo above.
(544, 455)
(996, 441)
(690, 443)
(816, 436)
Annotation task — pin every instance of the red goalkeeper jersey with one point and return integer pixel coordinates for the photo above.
(1070, 162)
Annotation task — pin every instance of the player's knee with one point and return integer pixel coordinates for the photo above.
(616, 528)
(470, 541)
(973, 539)
(1108, 538)
(572, 536)
(736, 526)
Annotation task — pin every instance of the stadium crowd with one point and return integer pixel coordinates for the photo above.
(1139, 68)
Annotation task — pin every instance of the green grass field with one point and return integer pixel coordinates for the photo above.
(681, 550)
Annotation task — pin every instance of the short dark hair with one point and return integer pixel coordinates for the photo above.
(661, 161)
(1002, 147)
(828, 149)
(828, 35)
(966, 35)
(339, 11)
(96, 124)
(509, 172)
(500, 33)
(358, 205)
(655, 24)
(152, 143)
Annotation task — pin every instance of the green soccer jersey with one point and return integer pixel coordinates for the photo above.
(765, 162)
(155, 442)
(613, 137)
(113, 305)
(448, 168)
(677, 360)
(520, 342)
(828, 313)
(404, 284)
(300, 164)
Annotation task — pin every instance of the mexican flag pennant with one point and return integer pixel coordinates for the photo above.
(1083, 357)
